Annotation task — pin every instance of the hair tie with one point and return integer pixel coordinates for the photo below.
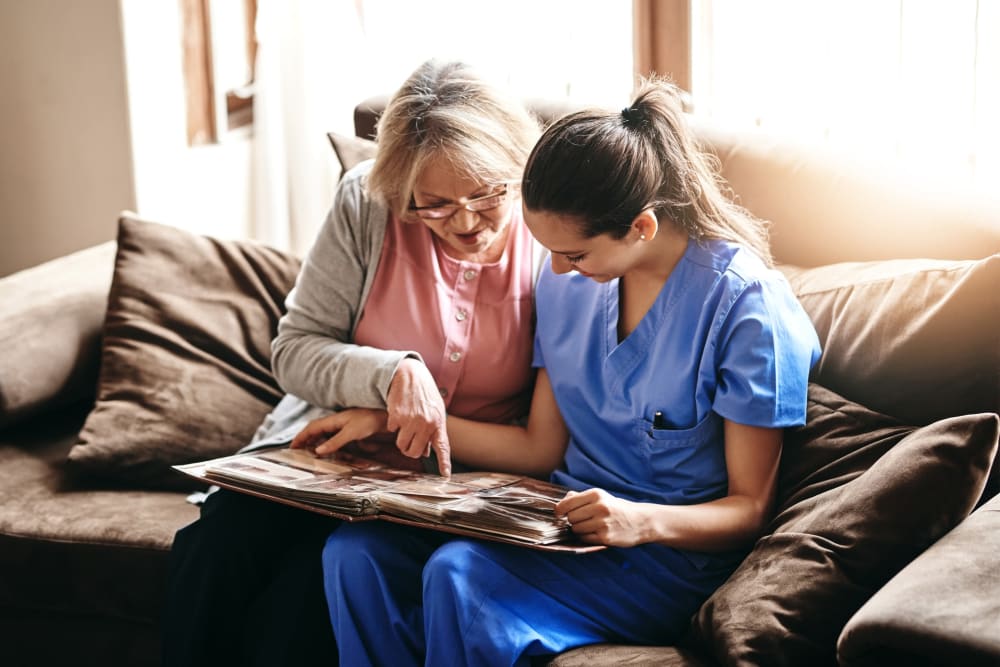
(633, 117)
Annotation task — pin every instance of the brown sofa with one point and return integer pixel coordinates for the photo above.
(84, 556)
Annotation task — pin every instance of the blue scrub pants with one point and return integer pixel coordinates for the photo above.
(406, 596)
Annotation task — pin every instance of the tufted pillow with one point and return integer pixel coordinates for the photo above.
(185, 356)
(859, 496)
(916, 339)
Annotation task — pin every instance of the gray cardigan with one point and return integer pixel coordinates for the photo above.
(313, 357)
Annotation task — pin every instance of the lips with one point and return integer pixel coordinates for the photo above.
(469, 239)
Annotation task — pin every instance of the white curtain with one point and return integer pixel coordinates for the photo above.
(308, 79)
(317, 59)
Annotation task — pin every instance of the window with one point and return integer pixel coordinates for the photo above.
(581, 49)
(219, 56)
(914, 79)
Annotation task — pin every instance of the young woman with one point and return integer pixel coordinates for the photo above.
(670, 359)
(416, 299)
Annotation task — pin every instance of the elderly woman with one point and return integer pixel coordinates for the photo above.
(415, 299)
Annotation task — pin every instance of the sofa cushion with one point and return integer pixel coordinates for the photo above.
(185, 358)
(942, 609)
(915, 339)
(593, 655)
(71, 552)
(859, 496)
(50, 323)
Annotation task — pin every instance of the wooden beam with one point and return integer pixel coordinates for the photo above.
(199, 85)
(661, 32)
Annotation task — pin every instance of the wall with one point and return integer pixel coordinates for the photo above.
(92, 122)
(65, 154)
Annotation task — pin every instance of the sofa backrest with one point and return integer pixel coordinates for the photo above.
(825, 206)
(51, 317)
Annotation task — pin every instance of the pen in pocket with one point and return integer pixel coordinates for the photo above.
(658, 420)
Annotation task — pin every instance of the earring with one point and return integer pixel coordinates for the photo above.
(642, 237)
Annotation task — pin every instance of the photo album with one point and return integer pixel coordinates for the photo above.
(496, 506)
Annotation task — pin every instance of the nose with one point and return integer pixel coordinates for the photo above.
(560, 265)
(464, 220)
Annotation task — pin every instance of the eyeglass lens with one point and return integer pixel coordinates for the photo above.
(484, 203)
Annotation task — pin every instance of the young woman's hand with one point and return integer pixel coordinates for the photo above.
(417, 414)
(328, 434)
(598, 517)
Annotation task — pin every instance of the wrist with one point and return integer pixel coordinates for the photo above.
(650, 529)
(409, 366)
(381, 418)
(405, 370)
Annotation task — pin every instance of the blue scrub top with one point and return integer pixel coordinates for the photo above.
(725, 339)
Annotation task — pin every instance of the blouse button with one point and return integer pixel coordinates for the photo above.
(461, 315)
(469, 274)
(444, 392)
(455, 356)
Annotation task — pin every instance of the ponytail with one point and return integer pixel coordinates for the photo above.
(604, 168)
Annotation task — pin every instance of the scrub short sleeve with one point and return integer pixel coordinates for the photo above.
(537, 360)
(543, 294)
(765, 348)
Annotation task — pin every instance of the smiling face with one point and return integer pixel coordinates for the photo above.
(601, 258)
(475, 236)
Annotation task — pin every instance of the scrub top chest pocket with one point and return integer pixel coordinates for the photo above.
(687, 465)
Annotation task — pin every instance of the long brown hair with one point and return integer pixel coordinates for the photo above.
(603, 168)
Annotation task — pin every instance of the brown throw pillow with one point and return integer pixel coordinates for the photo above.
(351, 151)
(915, 339)
(185, 357)
(859, 496)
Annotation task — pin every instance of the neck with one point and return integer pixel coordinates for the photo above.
(660, 256)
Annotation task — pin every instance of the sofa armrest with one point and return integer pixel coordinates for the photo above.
(942, 609)
(51, 317)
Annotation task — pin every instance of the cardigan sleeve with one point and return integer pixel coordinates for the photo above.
(313, 355)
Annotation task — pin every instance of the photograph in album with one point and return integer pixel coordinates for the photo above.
(491, 505)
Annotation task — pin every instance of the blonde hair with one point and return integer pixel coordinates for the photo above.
(445, 110)
(605, 167)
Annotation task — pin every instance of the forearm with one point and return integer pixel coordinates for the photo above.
(500, 447)
(332, 374)
(536, 449)
(728, 523)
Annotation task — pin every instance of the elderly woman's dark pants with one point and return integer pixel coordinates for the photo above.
(246, 587)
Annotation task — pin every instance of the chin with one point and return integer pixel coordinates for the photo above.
(480, 246)
(596, 277)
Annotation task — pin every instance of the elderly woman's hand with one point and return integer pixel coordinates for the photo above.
(417, 414)
(356, 431)
(328, 434)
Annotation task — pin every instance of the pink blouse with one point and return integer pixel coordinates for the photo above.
(471, 323)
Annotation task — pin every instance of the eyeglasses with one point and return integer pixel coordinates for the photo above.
(476, 205)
